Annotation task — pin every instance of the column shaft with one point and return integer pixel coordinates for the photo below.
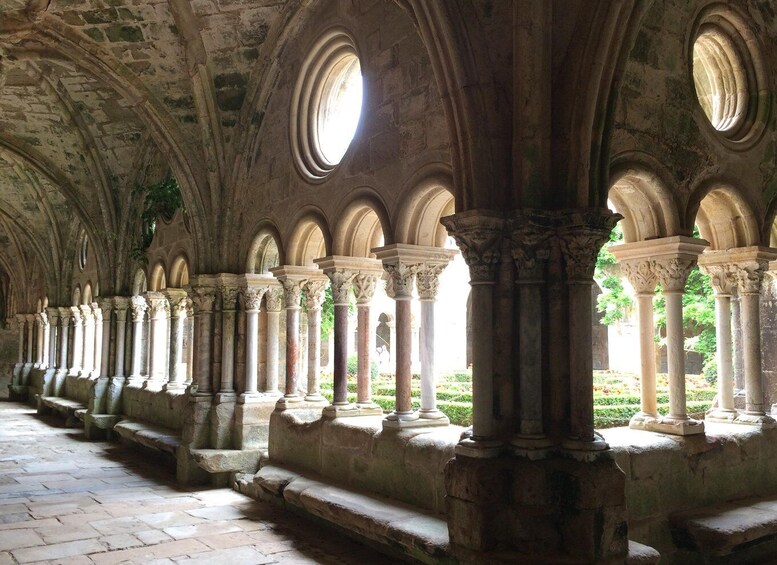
(647, 354)
(314, 354)
(404, 372)
(292, 351)
(252, 352)
(341, 355)
(581, 426)
(724, 352)
(675, 354)
(364, 376)
(751, 346)
(530, 361)
(428, 389)
(273, 327)
(121, 339)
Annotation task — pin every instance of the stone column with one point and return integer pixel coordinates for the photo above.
(314, 298)
(364, 290)
(203, 299)
(139, 307)
(428, 284)
(53, 317)
(723, 279)
(64, 316)
(176, 375)
(581, 235)
(252, 300)
(121, 304)
(159, 314)
(642, 278)
(672, 274)
(87, 363)
(44, 340)
(341, 281)
(102, 338)
(78, 341)
(274, 303)
(479, 236)
(40, 322)
(749, 278)
(20, 319)
(736, 343)
(530, 253)
(228, 328)
(292, 292)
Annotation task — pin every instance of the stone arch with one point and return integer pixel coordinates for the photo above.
(76, 296)
(139, 282)
(724, 217)
(647, 206)
(88, 295)
(266, 251)
(39, 307)
(158, 279)
(361, 226)
(179, 271)
(309, 240)
(418, 221)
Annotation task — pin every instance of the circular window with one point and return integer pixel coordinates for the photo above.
(726, 75)
(83, 251)
(326, 105)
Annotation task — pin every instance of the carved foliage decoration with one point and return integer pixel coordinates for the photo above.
(364, 288)
(750, 276)
(228, 297)
(581, 235)
(480, 240)
(531, 236)
(641, 275)
(139, 306)
(342, 281)
(292, 292)
(252, 298)
(274, 299)
(203, 299)
(428, 280)
(314, 294)
(722, 277)
(673, 273)
(400, 280)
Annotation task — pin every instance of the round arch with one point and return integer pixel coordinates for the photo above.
(266, 251)
(309, 240)
(724, 217)
(418, 221)
(647, 206)
(88, 295)
(158, 279)
(139, 282)
(76, 296)
(179, 271)
(362, 225)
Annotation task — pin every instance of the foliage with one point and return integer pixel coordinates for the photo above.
(353, 367)
(328, 313)
(613, 302)
(160, 200)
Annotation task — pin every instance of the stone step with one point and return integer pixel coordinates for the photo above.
(735, 532)
(386, 522)
(149, 435)
(640, 554)
(228, 460)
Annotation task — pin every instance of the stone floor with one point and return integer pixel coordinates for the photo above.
(67, 500)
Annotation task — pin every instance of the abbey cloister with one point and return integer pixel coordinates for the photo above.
(208, 208)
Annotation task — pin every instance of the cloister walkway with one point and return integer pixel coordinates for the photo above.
(67, 500)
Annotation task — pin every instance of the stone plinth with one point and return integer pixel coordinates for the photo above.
(252, 422)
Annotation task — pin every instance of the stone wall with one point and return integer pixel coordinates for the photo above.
(162, 408)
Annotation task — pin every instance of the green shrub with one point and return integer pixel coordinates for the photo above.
(352, 367)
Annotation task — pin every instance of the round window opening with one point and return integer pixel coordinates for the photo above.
(326, 105)
(83, 251)
(726, 75)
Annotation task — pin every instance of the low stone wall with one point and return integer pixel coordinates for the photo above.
(667, 474)
(403, 465)
(163, 408)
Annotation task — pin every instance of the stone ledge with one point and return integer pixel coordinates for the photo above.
(227, 460)
(148, 435)
(419, 534)
(64, 406)
(640, 554)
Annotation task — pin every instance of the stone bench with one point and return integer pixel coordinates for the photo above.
(736, 532)
(68, 409)
(150, 436)
(216, 461)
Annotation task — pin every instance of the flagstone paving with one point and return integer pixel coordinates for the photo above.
(67, 500)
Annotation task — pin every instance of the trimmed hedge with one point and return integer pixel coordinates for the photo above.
(662, 398)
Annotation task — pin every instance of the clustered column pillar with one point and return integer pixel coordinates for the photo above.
(314, 298)
(139, 306)
(364, 290)
(203, 299)
(53, 316)
(20, 319)
(44, 340)
(113, 400)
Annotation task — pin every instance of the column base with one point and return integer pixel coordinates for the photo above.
(315, 398)
(174, 387)
(676, 426)
(136, 381)
(532, 447)
(225, 397)
(390, 423)
(586, 450)
(340, 411)
(250, 398)
(643, 421)
(369, 409)
(720, 416)
(433, 414)
(479, 448)
(153, 385)
(290, 401)
(758, 419)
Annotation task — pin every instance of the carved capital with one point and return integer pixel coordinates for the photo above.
(158, 307)
(105, 304)
(121, 303)
(672, 273)
(530, 238)
(178, 306)
(641, 275)
(480, 239)
(87, 314)
(203, 299)
(53, 315)
(581, 234)
(427, 280)
(252, 298)
(292, 293)
(98, 313)
(400, 280)
(228, 297)
(64, 313)
(364, 288)
(722, 277)
(750, 276)
(342, 281)
(139, 306)
(274, 299)
(75, 312)
(315, 290)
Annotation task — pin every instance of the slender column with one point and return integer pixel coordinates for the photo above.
(159, 314)
(121, 304)
(64, 315)
(723, 278)
(30, 332)
(672, 274)
(178, 304)
(530, 252)
(88, 341)
(103, 337)
(479, 236)
(78, 341)
(45, 339)
(314, 298)
(274, 302)
(400, 288)
(203, 299)
(20, 319)
(139, 307)
(428, 284)
(581, 238)
(736, 342)
(189, 342)
(342, 281)
(292, 292)
(228, 303)
(252, 300)
(53, 333)
(40, 320)
(749, 278)
(643, 280)
(364, 290)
